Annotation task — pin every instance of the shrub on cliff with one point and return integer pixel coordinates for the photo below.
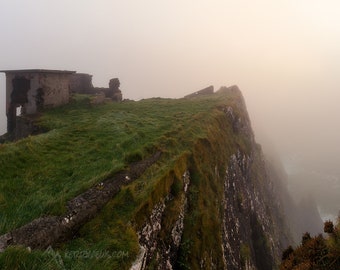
(315, 252)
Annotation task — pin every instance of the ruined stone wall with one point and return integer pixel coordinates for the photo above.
(113, 92)
(81, 83)
(31, 91)
(56, 89)
(53, 88)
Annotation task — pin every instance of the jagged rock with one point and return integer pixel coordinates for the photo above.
(150, 245)
(114, 84)
(114, 90)
(205, 91)
(247, 216)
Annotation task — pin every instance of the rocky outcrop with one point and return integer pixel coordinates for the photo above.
(114, 92)
(205, 91)
(254, 227)
(248, 225)
(152, 247)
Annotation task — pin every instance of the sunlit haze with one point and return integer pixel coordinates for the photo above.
(284, 56)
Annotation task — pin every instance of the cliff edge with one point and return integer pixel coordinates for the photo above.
(207, 202)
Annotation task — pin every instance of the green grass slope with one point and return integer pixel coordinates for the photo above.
(87, 144)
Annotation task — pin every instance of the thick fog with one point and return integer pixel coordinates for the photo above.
(284, 56)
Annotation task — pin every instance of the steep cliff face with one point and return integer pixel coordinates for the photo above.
(232, 217)
(207, 203)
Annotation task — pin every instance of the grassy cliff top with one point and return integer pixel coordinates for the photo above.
(86, 144)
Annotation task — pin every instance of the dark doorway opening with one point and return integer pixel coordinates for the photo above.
(39, 99)
(21, 86)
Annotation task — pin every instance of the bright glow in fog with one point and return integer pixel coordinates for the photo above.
(3, 119)
(283, 55)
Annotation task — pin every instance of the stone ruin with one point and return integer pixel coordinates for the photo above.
(81, 83)
(29, 91)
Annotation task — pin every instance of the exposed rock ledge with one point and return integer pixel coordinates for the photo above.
(46, 231)
(150, 244)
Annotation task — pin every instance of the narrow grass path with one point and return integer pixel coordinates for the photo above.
(47, 231)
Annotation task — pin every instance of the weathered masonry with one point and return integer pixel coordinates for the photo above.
(28, 91)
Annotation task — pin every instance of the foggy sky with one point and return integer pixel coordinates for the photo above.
(284, 55)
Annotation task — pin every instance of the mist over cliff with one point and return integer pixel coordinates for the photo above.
(283, 55)
(169, 183)
(3, 119)
(305, 145)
